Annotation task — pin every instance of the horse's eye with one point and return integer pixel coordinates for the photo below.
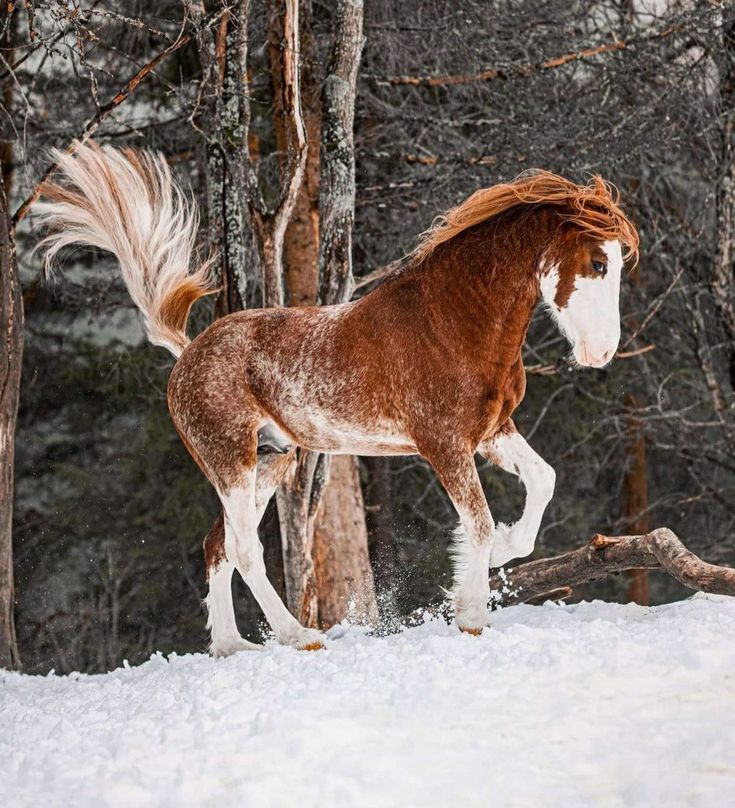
(599, 266)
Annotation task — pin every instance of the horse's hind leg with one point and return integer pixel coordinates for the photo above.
(223, 439)
(243, 546)
(226, 639)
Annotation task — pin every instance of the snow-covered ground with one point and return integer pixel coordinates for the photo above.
(587, 705)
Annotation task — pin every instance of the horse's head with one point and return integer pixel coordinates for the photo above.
(580, 284)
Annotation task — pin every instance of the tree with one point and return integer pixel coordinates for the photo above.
(292, 244)
(723, 271)
(11, 333)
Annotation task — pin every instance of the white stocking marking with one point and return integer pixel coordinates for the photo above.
(471, 587)
(513, 454)
(226, 638)
(243, 546)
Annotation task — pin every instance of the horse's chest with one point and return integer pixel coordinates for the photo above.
(501, 399)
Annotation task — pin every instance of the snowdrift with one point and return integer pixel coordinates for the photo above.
(587, 705)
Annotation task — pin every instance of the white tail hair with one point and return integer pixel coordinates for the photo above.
(126, 202)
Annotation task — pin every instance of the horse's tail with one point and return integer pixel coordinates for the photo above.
(126, 202)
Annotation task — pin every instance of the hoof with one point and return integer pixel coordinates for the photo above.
(475, 632)
(232, 645)
(305, 639)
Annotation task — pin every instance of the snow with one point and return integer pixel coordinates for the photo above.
(587, 705)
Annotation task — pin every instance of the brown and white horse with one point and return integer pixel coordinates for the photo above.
(428, 363)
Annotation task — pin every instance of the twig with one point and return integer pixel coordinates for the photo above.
(551, 369)
(654, 309)
(377, 274)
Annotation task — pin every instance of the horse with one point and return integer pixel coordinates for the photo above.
(428, 363)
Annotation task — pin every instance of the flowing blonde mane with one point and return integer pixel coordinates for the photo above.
(594, 208)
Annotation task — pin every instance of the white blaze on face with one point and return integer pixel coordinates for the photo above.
(591, 318)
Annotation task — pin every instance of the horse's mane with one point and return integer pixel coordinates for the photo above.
(594, 208)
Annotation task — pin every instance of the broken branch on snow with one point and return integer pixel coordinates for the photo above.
(660, 549)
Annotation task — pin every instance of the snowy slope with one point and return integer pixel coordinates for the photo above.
(587, 705)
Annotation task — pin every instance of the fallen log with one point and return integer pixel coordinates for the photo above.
(661, 549)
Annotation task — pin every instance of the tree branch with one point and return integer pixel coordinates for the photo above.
(606, 555)
(551, 369)
(520, 71)
(91, 126)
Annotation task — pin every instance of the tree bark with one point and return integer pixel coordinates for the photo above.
(635, 497)
(301, 240)
(337, 192)
(723, 275)
(380, 521)
(299, 272)
(344, 576)
(11, 355)
(607, 555)
(222, 55)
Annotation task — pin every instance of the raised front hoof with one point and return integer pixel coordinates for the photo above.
(225, 648)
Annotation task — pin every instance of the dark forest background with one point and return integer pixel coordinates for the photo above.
(109, 509)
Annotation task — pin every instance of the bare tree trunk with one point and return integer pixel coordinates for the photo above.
(295, 497)
(341, 522)
(723, 276)
(635, 498)
(301, 240)
(287, 240)
(11, 329)
(380, 521)
(325, 208)
(11, 333)
(337, 194)
(222, 55)
(224, 64)
(343, 572)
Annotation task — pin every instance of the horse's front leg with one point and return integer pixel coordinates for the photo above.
(473, 538)
(511, 452)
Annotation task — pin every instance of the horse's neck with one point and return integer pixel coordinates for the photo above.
(486, 282)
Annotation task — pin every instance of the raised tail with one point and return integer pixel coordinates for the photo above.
(126, 202)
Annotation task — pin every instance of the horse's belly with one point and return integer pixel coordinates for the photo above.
(320, 431)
